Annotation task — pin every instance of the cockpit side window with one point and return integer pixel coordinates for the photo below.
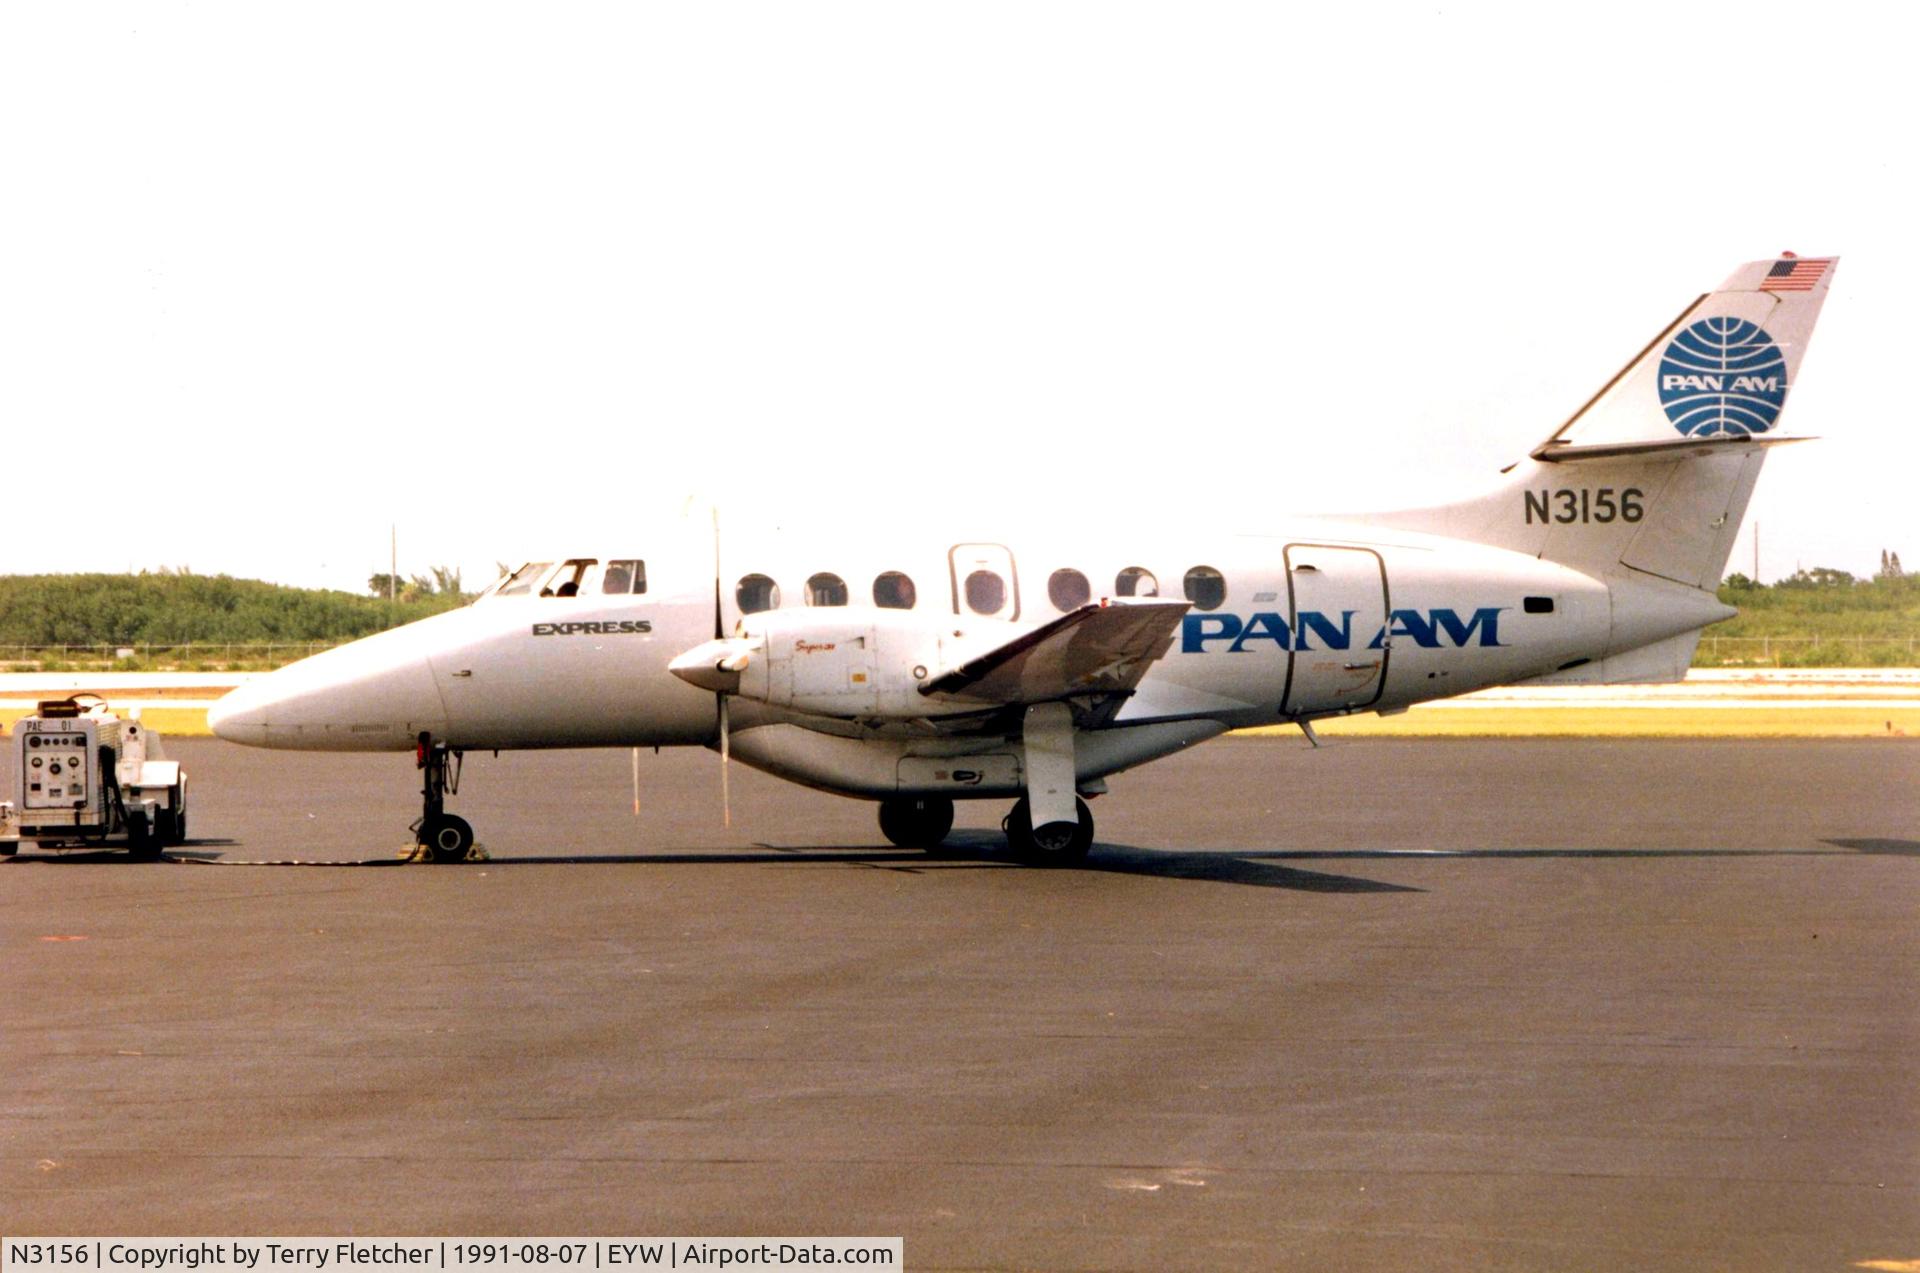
(521, 581)
(626, 575)
(566, 580)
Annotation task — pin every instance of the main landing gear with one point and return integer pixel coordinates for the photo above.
(922, 822)
(447, 837)
(916, 822)
(1049, 826)
(1051, 843)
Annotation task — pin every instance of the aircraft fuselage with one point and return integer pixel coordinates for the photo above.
(1313, 621)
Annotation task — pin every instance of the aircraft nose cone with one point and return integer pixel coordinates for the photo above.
(238, 717)
(373, 695)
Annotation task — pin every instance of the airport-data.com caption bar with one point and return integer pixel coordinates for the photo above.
(481, 1255)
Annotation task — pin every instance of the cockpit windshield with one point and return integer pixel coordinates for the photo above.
(566, 580)
(521, 581)
(627, 575)
(574, 577)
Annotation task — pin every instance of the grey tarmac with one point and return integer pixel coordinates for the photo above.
(1390, 1004)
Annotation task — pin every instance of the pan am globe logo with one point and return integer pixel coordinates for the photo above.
(1723, 377)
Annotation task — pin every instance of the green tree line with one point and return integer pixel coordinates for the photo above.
(175, 608)
(1819, 618)
(1825, 602)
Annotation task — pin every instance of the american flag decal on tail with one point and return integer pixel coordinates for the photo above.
(1794, 275)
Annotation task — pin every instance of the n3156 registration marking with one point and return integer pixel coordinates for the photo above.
(1585, 504)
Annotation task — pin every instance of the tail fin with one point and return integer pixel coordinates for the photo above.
(1720, 370)
(1652, 476)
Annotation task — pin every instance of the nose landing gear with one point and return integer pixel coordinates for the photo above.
(446, 837)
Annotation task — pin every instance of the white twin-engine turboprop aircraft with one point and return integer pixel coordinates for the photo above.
(1030, 669)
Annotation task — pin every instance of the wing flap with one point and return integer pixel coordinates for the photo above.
(1102, 648)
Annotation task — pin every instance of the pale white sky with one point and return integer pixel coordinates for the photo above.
(274, 277)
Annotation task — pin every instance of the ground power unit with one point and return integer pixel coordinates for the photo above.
(83, 778)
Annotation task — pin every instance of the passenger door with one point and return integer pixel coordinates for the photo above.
(1339, 598)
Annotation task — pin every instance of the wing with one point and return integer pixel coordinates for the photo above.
(1101, 649)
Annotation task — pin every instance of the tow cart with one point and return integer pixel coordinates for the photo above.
(84, 778)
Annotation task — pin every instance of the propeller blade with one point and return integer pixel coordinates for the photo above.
(726, 737)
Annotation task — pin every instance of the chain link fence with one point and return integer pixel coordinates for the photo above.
(195, 656)
(1807, 651)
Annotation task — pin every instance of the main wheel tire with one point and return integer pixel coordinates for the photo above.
(1055, 844)
(918, 822)
(448, 838)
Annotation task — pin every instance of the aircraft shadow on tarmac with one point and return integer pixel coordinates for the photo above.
(989, 853)
(965, 851)
(1258, 868)
(1894, 848)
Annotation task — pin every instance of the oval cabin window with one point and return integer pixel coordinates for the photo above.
(826, 589)
(1206, 588)
(986, 592)
(894, 591)
(1136, 581)
(1068, 589)
(757, 593)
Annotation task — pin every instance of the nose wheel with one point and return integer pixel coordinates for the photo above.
(447, 837)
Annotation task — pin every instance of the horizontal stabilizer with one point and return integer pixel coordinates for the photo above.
(1558, 452)
(1098, 648)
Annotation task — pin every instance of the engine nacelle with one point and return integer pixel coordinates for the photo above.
(846, 661)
